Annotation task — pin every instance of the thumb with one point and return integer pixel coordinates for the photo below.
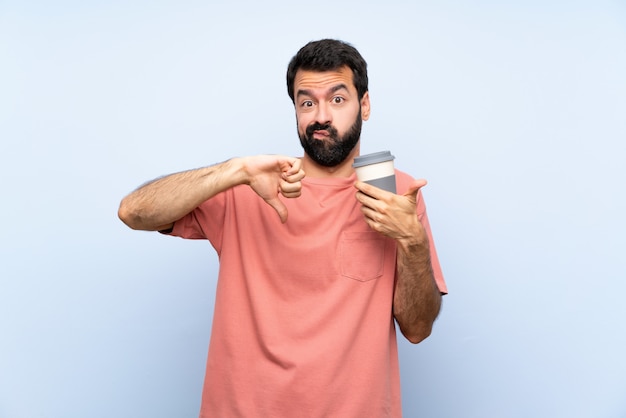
(415, 186)
(279, 207)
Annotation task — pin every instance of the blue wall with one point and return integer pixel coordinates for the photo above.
(515, 113)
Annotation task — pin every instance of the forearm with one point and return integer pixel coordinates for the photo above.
(417, 299)
(158, 204)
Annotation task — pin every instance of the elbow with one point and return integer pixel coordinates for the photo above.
(418, 334)
(140, 218)
(127, 215)
(416, 327)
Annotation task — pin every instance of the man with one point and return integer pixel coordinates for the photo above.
(306, 300)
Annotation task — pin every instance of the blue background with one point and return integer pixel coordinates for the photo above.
(514, 111)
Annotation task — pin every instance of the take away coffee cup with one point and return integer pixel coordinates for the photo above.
(376, 169)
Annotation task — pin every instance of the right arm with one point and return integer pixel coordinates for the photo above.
(156, 205)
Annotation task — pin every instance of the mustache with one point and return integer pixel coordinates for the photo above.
(321, 127)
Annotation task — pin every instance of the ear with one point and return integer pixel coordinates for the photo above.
(365, 106)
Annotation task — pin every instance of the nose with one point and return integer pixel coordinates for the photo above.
(323, 115)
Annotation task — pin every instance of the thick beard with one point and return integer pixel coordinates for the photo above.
(334, 150)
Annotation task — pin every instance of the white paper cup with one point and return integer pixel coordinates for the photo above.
(376, 169)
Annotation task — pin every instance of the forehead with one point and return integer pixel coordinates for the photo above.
(309, 80)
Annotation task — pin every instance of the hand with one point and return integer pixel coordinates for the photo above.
(269, 175)
(392, 215)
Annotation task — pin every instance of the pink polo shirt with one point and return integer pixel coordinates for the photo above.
(303, 323)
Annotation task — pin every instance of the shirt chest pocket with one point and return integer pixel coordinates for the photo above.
(362, 255)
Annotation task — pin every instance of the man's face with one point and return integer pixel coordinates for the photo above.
(329, 114)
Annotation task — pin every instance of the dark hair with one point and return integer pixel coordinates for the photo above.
(328, 55)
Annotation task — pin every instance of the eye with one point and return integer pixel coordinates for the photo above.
(307, 103)
(338, 100)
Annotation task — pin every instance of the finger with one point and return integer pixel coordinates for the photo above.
(279, 207)
(414, 188)
(370, 190)
(290, 190)
(293, 178)
(295, 166)
(368, 202)
(292, 195)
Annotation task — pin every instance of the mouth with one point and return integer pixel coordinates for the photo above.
(321, 134)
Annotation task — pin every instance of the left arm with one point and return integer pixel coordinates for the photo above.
(417, 299)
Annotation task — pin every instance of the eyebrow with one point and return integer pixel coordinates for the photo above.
(334, 89)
